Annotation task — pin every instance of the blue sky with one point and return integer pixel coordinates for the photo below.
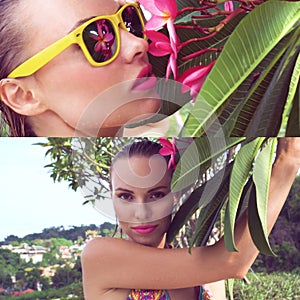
(29, 200)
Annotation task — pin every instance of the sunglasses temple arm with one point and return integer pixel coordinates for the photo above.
(39, 60)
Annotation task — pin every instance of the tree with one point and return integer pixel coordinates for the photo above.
(45, 283)
(65, 275)
(61, 277)
(9, 261)
(33, 276)
(20, 275)
(107, 229)
(2, 276)
(50, 259)
(7, 283)
(56, 242)
(77, 161)
(77, 267)
(11, 238)
(84, 163)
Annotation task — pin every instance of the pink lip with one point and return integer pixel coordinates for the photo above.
(144, 229)
(145, 80)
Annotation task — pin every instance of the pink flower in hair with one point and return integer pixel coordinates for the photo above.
(167, 149)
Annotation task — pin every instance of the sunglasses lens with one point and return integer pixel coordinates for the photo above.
(132, 21)
(100, 40)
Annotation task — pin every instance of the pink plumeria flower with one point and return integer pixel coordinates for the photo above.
(105, 39)
(193, 79)
(169, 149)
(228, 6)
(161, 45)
(162, 11)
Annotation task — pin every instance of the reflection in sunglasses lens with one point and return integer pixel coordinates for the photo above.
(100, 39)
(100, 36)
(132, 21)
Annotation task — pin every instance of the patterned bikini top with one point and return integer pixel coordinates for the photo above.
(148, 295)
(203, 294)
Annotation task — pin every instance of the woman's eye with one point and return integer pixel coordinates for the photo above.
(126, 197)
(157, 195)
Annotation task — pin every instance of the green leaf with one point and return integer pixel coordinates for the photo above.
(240, 109)
(294, 84)
(293, 126)
(261, 178)
(198, 158)
(243, 206)
(268, 114)
(194, 201)
(230, 284)
(215, 197)
(184, 213)
(252, 40)
(254, 223)
(240, 174)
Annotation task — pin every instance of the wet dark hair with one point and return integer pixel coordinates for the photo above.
(12, 42)
(145, 148)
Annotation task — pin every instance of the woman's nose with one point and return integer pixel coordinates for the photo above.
(132, 47)
(142, 212)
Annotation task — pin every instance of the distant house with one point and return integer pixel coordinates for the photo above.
(30, 253)
(36, 253)
(64, 252)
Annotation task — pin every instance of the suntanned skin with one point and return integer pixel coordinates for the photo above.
(111, 267)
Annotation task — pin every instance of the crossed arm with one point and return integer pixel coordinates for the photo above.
(115, 263)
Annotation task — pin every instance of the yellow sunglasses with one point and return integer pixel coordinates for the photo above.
(98, 38)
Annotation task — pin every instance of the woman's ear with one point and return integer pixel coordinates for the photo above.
(16, 95)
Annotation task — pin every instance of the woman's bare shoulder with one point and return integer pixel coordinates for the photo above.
(97, 247)
(102, 250)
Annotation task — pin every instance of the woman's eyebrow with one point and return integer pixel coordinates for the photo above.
(123, 190)
(80, 22)
(158, 188)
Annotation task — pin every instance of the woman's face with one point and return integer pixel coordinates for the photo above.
(80, 97)
(142, 198)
